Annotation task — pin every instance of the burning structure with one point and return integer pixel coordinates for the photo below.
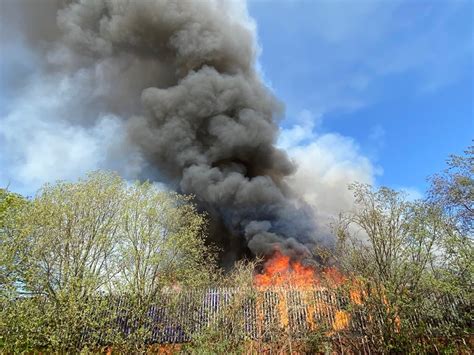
(263, 317)
(288, 305)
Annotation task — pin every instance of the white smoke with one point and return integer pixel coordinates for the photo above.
(327, 163)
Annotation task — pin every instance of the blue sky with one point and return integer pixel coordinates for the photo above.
(396, 76)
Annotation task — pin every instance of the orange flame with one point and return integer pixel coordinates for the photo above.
(356, 296)
(341, 320)
(280, 271)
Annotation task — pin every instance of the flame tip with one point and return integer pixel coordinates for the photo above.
(281, 270)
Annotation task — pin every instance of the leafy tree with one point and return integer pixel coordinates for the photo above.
(453, 191)
(72, 232)
(78, 246)
(411, 258)
(10, 258)
(8, 201)
(162, 241)
(387, 238)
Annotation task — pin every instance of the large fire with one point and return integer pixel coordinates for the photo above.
(280, 271)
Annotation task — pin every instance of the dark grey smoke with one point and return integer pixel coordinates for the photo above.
(181, 76)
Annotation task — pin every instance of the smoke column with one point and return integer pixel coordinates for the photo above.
(180, 76)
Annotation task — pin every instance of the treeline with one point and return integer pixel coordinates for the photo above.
(74, 242)
(65, 252)
(415, 255)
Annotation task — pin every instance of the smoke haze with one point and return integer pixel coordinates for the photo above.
(168, 90)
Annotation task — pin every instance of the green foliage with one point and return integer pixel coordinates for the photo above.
(74, 245)
(244, 323)
(415, 262)
(453, 191)
(226, 333)
(80, 258)
(9, 201)
(386, 238)
(317, 342)
(10, 253)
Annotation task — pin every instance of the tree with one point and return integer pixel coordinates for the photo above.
(69, 233)
(9, 201)
(78, 246)
(10, 254)
(387, 238)
(400, 244)
(453, 191)
(162, 242)
(100, 233)
(412, 261)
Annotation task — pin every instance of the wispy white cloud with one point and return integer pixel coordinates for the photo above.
(339, 54)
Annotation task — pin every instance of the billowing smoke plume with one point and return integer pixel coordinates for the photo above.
(179, 78)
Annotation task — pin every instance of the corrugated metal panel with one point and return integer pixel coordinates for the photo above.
(253, 314)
